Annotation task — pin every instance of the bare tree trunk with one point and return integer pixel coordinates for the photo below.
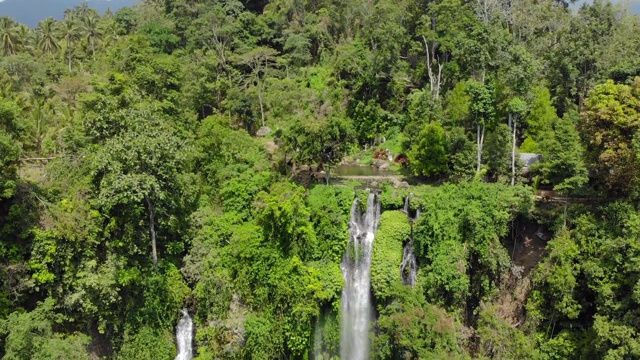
(69, 54)
(434, 81)
(260, 100)
(566, 202)
(513, 150)
(480, 142)
(478, 149)
(93, 49)
(152, 231)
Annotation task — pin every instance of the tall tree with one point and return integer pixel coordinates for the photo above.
(611, 131)
(92, 31)
(111, 32)
(428, 157)
(8, 35)
(23, 37)
(563, 160)
(539, 120)
(48, 36)
(69, 31)
(482, 111)
(259, 60)
(574, 62)
(10, 148)
(517, 110)
(138, 171)
(39, 117)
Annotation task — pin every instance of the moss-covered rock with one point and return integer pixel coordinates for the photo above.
(393, 230)
(391, 198)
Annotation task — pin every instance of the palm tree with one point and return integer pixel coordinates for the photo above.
(23, 35)
(48, 41)
(69, 31)
(38, 115)
(8, 35)
(34, 41)
(111, 31)
(83, 9)
(65, 118)
(92, 31)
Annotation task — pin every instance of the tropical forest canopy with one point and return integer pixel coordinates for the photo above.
(152, 160)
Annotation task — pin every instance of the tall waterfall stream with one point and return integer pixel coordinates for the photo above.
(184, 337)
(356, 308)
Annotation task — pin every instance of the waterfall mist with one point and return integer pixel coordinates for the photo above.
(356, 309)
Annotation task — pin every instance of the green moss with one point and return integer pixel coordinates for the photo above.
(391, 198)
(393, 230)
(363, 198)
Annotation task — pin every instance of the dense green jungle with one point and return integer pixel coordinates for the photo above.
(170, 181)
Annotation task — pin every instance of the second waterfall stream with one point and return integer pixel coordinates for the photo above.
(356, 308)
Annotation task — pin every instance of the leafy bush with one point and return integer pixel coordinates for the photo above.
(394, 230)
(148, 343)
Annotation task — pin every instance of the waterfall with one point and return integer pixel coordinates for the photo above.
(409, 266)
(356, 309)
(405, 209)
(184, 337)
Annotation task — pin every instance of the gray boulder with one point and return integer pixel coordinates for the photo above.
(263, 131)
(402, 185)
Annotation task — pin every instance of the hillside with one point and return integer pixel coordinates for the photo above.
(355, 180)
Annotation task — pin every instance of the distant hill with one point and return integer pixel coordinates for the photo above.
(632, 5)
(31, 12)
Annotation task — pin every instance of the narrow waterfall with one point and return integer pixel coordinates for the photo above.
(405, 209)
(356, 310)
(184, 337)
(409, 266)
(317, 341)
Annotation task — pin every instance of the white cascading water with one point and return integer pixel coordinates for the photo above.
(405, 209)
(356, 309)
(184, 337)
(409, 266)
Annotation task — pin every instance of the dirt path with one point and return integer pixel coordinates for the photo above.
(527, 254)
